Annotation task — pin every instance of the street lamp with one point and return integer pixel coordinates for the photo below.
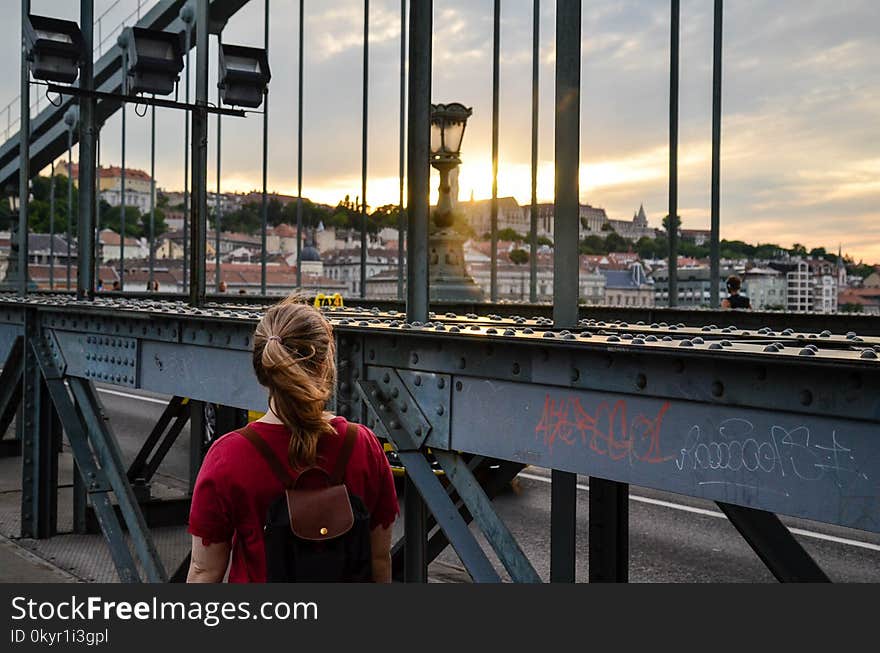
(448, 122)
(53, 48)
(448, 278)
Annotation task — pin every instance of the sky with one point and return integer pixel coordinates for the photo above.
(801, 102)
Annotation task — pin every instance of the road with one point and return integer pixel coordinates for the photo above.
(672, 538)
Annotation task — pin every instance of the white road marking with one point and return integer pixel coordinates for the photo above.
(127, 395)
(715, 513)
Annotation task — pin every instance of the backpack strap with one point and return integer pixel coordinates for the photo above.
(351, 433)
(278, 469)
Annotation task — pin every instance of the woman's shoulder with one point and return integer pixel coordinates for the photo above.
(226, 450)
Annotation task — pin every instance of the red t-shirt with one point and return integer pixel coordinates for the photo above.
(235, 487)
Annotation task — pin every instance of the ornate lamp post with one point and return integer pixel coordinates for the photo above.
(448, 278)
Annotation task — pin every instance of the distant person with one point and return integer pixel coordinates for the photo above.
(116, 286)
(100, 287)
(242, 291)
(241, 519)
(155, 286)
(734, 300)
(222, 287)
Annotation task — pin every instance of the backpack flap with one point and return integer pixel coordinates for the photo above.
(319, 514)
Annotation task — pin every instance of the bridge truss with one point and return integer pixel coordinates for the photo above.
(779, 418)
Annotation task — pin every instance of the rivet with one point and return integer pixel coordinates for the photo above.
(441, 383)
(806, 397)
(717, 388)
(440, 410)
(641, 381)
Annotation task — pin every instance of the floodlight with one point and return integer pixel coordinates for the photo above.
(54, 48)
(154, 61)
(244, 75)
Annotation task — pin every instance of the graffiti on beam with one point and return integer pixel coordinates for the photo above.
(737, 446)
(608, 430)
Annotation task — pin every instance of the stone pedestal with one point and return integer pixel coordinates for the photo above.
(448, 278)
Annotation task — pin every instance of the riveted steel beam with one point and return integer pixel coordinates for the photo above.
(479, 505)
(778, 549)
(431, 491)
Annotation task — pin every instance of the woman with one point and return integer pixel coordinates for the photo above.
(734, 300)
(294, 358)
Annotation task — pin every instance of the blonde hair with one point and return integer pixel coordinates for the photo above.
(295, 358)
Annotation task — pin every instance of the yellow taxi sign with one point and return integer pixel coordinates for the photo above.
(334, 300)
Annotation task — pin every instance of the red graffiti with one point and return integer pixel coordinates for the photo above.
(607, 430)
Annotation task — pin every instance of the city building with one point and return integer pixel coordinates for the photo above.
(630, 287)
(812, 286)
(478, 214)
(872, 280)
(698, 237)
(344, 266)
(861, 300)
(694, 286)
(43, 249)
(110, 247)
(766, 288)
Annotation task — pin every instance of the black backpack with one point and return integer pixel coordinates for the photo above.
(315, 535)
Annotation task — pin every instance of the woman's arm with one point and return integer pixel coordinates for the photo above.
(380, 545)
(208, 563)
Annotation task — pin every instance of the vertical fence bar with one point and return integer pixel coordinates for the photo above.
(152, 261)
(24, 158)
(69, 200)
(365, 97)
(52, 227)
(217, 203)
(200, 160)
(493, 209)
(97, 234)
(418, 173)
(715, 238)
(401, 223)
(123, 109)
(186, 14)
(299, 150)
(265, 205)
(88, 146)
(565, 266)
(672, 228)
(533, 213)
(418, 209)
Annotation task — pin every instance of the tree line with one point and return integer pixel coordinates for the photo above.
(41, 218)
